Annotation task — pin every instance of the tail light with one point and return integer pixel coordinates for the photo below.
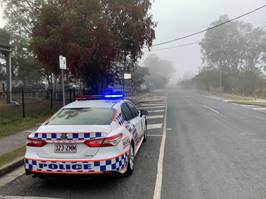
(36, 142)
(104, 142)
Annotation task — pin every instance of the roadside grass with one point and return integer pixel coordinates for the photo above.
(21, 124)
(11, 156)
(12, 122)
(249, 103)
(245, 100)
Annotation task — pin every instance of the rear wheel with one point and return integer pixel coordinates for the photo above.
(131, 161)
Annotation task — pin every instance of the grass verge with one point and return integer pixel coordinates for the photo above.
(11, 156)
(245, 100)
(20, 125)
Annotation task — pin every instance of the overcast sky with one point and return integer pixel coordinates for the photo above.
(181, 17)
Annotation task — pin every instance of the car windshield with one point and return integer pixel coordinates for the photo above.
(82, 116)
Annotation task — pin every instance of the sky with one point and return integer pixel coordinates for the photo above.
(2, 21)
(177, 18)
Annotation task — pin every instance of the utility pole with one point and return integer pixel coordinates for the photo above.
(9, 76)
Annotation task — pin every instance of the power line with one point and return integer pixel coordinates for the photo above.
(210, 28)
(188, 44)
(178, 46)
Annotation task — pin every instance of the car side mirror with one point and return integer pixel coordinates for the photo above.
(143, 112)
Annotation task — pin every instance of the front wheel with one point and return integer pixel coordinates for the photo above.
(145, 132)
(131, 161)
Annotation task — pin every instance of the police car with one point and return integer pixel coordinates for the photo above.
(88, 136)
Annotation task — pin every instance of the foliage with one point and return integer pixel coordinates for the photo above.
(25, 66)
(92, 35)
(139, 75)
(160, 71)
(233, 58)
(21, 16)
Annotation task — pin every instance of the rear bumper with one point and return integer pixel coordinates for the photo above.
(50, 166)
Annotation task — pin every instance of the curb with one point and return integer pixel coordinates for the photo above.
(11, 166)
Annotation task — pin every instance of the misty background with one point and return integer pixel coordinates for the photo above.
(178, 18)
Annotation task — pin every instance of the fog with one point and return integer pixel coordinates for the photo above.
(182, 17)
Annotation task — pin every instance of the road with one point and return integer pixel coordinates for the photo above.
(216, 149)
(212, 149)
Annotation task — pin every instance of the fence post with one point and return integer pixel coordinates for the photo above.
(23, 102)
(74, 94)
(51, 99)
(70, 95)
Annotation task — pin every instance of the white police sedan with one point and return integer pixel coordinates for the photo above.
(88, 136)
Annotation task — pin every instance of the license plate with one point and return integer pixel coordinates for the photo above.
(65, 148)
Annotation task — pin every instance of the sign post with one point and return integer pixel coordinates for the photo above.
(127, 76)
(62, 65)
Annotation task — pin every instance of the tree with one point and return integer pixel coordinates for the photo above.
(233, 48)
(160, 70)
(138, 76)
(21, 16)
(92, 34)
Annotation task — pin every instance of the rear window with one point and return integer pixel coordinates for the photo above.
(82, 116)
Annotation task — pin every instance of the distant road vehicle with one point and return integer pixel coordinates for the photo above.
(88, 136)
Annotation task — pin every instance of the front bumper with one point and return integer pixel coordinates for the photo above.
(47, 166)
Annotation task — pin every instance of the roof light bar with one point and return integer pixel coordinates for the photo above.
(101, 97)
(114, 96)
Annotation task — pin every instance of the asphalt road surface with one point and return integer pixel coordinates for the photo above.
(209, 149)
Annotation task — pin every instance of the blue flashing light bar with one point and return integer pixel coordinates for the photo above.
(113, 96)
(107, 96)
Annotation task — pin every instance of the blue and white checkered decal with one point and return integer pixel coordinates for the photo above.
(66, 136)
(117, 164)
(131, 128)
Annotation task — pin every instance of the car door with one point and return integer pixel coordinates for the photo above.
(137, 120)
(130, 122)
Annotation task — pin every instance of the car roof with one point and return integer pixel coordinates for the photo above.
(93, 103)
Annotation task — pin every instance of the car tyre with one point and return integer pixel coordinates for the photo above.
(145, 132)
(131, 161)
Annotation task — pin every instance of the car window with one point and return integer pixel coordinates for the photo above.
(82, 116)
(133, 110)
(127, 115)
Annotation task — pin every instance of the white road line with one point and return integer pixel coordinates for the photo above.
(211, 109)
(155, 117)
(260, 118)
(155, 126)
(261, 109)
(152, 135)
(25, 197)
(247, 106)
(159, 177)
(156, 111)
(147, 104)
(151, 107)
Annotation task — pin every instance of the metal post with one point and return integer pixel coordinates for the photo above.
(63, 88)
(23, 103)
(221, 80)
(70, 95)
(74, 94)
(9, 77)
(51, 99)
